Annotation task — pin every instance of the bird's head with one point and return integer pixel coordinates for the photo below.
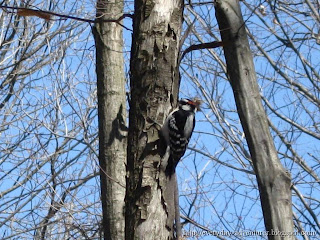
(190, 105)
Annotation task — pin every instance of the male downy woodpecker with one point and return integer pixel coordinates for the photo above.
(177, 130)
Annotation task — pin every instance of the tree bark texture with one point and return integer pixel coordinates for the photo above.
(154, 90)
(273, 181)
(111, 116)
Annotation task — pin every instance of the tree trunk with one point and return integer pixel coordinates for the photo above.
(273, 181)
(111, 116)
(154, 89)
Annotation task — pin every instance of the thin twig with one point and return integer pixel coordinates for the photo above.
(71, 17)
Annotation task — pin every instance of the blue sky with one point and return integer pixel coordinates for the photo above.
(223, 198)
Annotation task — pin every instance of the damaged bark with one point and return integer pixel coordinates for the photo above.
(154, 90)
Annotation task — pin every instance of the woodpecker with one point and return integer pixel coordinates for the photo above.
(177, 130)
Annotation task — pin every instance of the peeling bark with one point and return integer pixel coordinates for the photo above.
(274, 182)
(154, 91)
